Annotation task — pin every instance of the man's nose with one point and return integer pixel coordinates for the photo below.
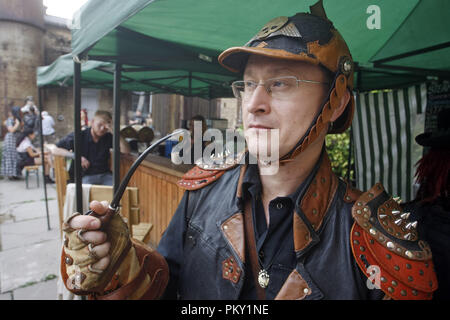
(259, 102)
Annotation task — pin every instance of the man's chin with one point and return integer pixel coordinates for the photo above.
(101, 134)
(268, 163)
(263, 151)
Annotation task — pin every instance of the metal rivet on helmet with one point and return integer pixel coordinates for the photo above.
(346, 65)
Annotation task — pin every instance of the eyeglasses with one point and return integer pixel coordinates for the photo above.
(278, 88)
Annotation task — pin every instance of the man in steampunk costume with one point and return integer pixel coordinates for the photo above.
(301, 233)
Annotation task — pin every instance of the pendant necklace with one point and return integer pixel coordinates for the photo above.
(263, 275)
(263, 278)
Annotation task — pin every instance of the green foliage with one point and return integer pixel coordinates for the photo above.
(337, 146)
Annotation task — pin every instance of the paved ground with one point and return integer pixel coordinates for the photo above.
(29, 251)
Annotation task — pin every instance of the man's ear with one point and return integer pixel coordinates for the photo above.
(344, 101)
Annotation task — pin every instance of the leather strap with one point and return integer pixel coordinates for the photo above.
(152, 264)
(251, 248)
(127, 290)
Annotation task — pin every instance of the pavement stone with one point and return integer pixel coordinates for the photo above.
(23, 233)
(31, 209)
(29, 252)
(24, 265)
(45, 290)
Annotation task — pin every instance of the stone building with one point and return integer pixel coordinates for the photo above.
(22, 30)
(29, 38)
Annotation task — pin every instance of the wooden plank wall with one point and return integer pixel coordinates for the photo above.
(169, 110)
(197, 106)
(159, 196)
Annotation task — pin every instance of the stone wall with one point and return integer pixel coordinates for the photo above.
(57, 41)
(59, 104)
(230, 110)
(21, 52)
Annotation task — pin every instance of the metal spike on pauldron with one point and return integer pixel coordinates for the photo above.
(408, 236)
(411, 225)
(405, 215)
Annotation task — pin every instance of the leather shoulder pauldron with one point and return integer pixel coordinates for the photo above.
(384, 240)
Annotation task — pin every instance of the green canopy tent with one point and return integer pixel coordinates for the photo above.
(393, 43)
(60, 73)
(410, 44)
(99, 75)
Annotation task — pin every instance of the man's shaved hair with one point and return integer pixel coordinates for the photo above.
(105, 115)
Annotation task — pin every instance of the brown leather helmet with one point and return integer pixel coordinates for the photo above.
(311, 38)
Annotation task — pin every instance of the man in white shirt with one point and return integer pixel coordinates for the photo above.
(48, 129)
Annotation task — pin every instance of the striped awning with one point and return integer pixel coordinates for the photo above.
(384, 128)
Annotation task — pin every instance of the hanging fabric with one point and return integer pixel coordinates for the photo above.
(384, 127)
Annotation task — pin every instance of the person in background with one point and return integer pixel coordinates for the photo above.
(138, 118)
(29, 102)
(29, 156)
(48, 130)
(197, 118)
(84, 119)
(30, 115)
(149, 121)
(10, 158)
(31, 121)
(200, 120)
(431, 207)
(96, 142)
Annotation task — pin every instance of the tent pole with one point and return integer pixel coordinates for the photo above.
(41, 139)
(359, 80)
(350, 147)
(77, 137)
(415, 52)
(418, 71)
(190, 83)
(349, 160)
(116, 126)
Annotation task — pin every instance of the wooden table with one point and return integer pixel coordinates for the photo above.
(159, 194)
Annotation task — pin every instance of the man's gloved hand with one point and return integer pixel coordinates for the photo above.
(93, 252)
